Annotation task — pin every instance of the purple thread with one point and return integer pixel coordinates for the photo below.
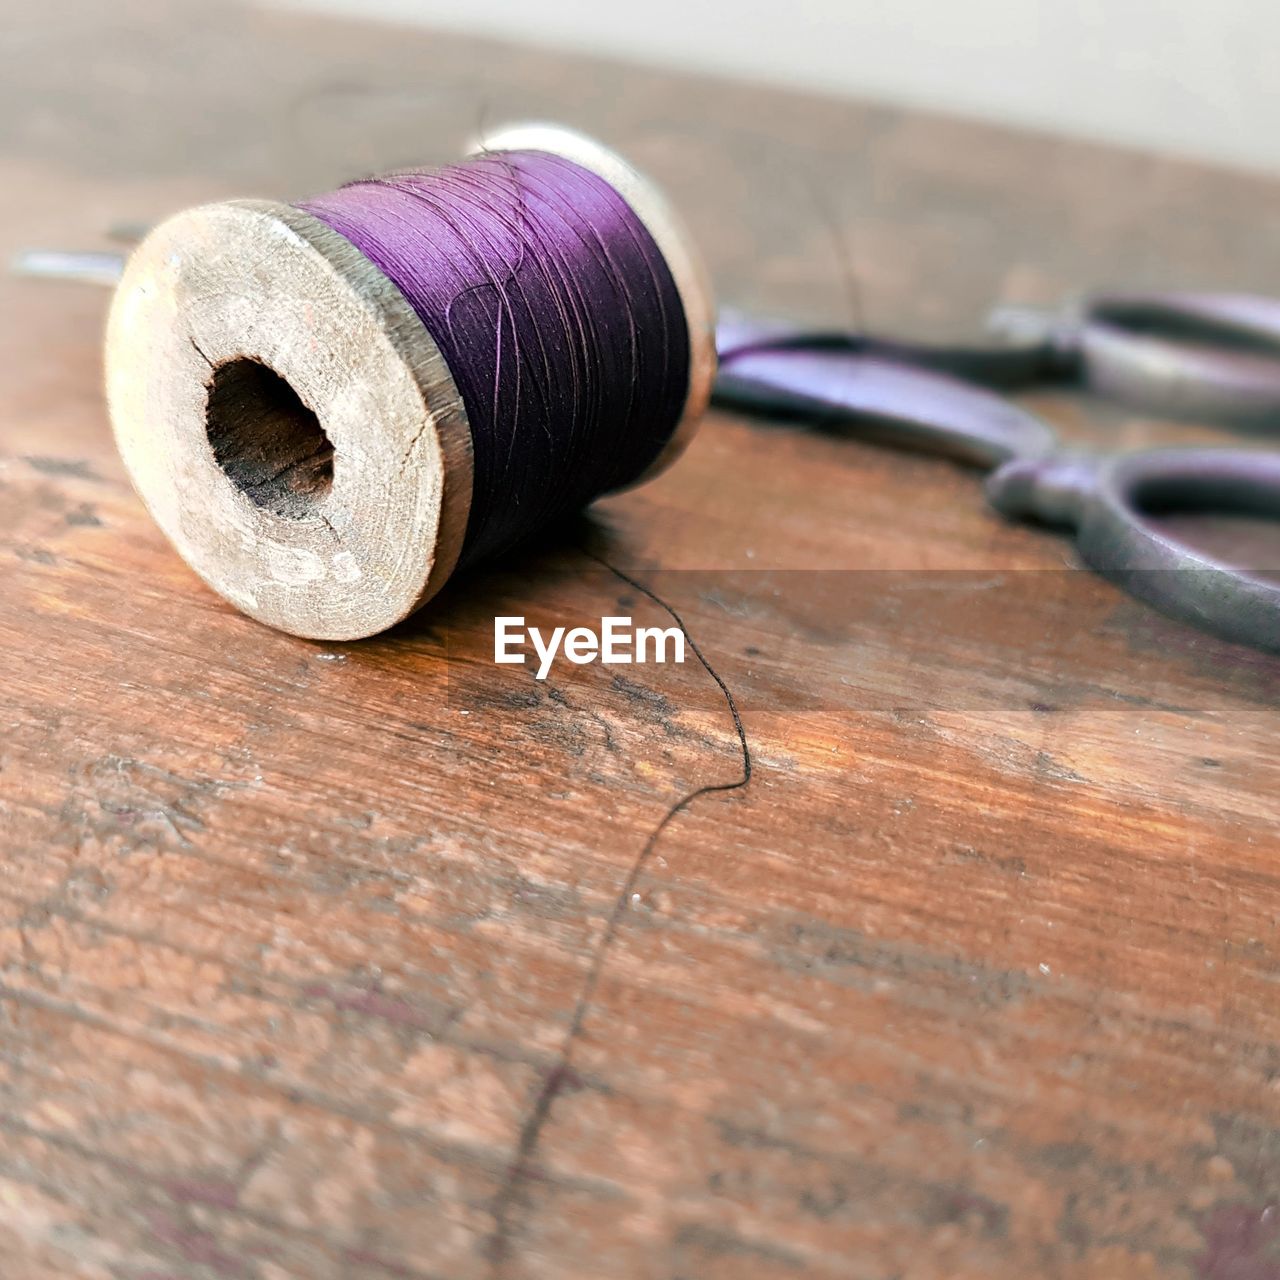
(555, 313)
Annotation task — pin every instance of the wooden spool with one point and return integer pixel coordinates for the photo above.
(290, 423)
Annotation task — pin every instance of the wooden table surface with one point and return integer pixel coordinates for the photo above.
(313, 960)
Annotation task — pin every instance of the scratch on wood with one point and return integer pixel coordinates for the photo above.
(200, 352)
(507, 1198)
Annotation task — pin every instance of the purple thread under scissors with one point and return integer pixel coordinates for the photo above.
(1203, 356)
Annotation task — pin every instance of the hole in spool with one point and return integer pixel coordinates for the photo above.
(269, 444)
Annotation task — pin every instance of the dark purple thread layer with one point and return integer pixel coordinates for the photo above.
(556, 314)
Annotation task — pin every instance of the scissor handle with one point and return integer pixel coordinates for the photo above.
(880, 399)
(1206, 356)
(1111, 502)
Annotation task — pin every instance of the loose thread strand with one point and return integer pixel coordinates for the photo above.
(521, 1166)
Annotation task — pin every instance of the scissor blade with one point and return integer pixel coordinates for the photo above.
(59, 264)
(886, 400)
(1006, 365)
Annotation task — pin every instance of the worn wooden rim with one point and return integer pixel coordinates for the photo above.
(270, 284)
(674, 242)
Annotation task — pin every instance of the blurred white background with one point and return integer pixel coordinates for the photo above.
(1191, 77)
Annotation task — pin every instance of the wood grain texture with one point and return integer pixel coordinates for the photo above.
(976, 978)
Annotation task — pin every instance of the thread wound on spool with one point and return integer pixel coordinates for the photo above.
(556, 314)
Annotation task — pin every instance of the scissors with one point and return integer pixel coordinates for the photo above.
(1210, 357)
(1204, 356)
